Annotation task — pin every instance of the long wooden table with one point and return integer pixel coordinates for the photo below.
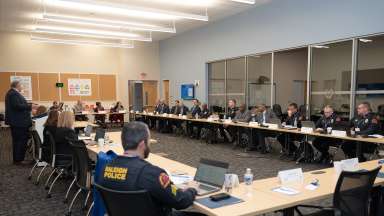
(262, 199)
(358, 139)
(83, 124)
(281, 130)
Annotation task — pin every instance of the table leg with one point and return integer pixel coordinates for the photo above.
(359, 153)
(289, 212)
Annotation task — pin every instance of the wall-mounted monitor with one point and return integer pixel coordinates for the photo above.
(187, 91)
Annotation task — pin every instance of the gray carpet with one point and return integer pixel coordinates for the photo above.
(19, 196)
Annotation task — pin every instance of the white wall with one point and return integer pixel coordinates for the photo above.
(276, 25)
(19, 54)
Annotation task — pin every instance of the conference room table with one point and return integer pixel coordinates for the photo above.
(83, 124)
(257, 198)
(358, 139)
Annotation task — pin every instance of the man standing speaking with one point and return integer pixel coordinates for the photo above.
(18, 117)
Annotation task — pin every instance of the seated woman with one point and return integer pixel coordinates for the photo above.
(49, 125)
(65, 131)
(117, 117)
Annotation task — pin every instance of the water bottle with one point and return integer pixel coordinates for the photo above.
(248, 179)
(295, 123)
(225, 116)
(196, 116)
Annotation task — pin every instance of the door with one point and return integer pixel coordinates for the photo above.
(150, 94)
(166, 90)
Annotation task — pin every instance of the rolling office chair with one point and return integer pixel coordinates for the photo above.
(351, 196)
(83, 173)
(276, 108)
(122, 203)
(37, 153)
(59, 162)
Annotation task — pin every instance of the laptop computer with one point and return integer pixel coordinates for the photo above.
(308, 124)
(209, 177)
(100, 134)
(275, 121)
(87, 133)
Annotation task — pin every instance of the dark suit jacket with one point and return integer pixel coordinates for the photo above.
(17, 110)
(62, 146)
(269, 114)
(195, 110)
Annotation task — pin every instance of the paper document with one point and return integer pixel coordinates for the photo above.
(180, 179)
(286, 190)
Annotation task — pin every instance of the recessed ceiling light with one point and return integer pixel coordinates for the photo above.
(320, 46)
(81, 42)
(105, 23)
(124, 10)
(245, 1)
(89, 33)
(364, 40)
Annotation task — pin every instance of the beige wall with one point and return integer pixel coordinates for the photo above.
(19, 54)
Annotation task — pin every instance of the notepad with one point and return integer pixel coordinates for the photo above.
(212, 204)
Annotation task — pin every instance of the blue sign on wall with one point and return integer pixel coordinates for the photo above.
(187, 91)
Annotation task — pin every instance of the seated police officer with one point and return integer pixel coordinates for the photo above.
(263, 115)
(365, 123)
(328, 119)
(294, 119)
(226, 130)
(130, 172)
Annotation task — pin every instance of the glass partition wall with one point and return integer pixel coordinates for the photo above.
(342, 73)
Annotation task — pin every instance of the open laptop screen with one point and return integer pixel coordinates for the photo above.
(211, 172)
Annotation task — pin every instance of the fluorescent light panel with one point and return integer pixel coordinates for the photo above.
(89, 33)
(105, 23)
(124, 10)
(245, 1)
(321, 46)
(80, 42)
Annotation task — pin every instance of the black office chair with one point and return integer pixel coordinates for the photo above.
(37, 153)
(276, 108)
(123, 203)
(59, 162)
(83, 173)
(351, 196)
(46, 155)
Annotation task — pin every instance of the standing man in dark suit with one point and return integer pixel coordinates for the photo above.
(18, 116)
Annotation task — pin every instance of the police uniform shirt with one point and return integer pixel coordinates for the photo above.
(133, 173)
(366, 125)
(231, 112)
(205, 113)
(325, 122)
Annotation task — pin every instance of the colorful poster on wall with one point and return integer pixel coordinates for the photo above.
(26, 82)
(79, 87)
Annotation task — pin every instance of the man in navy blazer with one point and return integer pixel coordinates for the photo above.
(18, 116)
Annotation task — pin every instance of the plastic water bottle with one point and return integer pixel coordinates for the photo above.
(196, 116)
(295, 123)
(248, 180)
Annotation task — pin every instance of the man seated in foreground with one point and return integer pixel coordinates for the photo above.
(130, 172)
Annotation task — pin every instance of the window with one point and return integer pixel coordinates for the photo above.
(259, 79)
(290, 77)
(331, 77)
(236, 80)
(216, 86)
(370, 72)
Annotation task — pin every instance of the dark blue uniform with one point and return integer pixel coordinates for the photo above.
(363, 125)
(323, 143)
(132, 173)
(289, 138)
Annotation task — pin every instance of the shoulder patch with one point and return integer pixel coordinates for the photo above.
(174, 190)
(164, 180)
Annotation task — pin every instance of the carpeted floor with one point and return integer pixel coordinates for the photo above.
(19, 196)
